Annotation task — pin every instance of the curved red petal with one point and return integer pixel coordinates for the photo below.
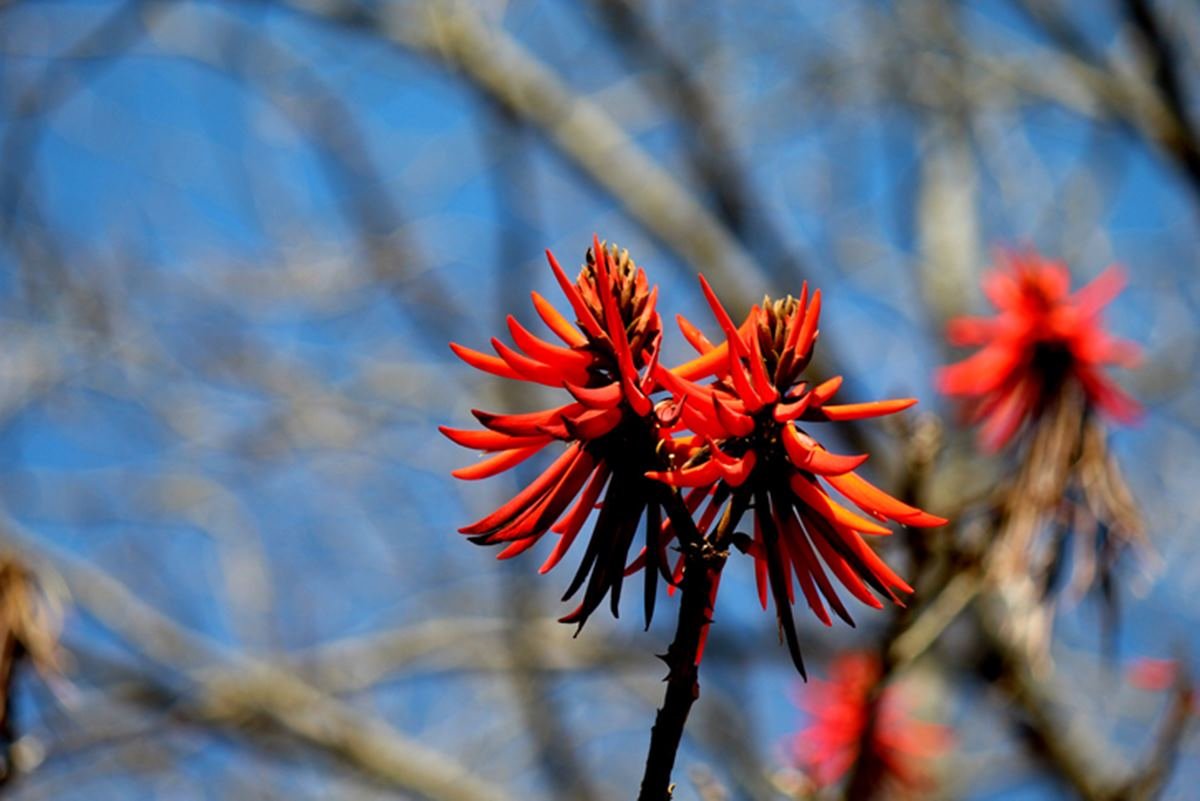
(858, 411)
(871, 499)
(489, 440)
(557, 323)
(482, 361)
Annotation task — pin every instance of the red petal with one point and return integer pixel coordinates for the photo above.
(529, 369)
(680, 387)
(517, 547)
(857, 411)
(1006, 411)
(696, 476)
(520, 502)
(964, 331)
(1093, 297)
(586, 318)
(528, 424)
(806, 559)
(557, 323)
(605, 397)
(712, 362)
(815, 498)
(592, 424)
(804, 574)
(783, 412)
(743, 386)
(482, 361)
(845, 574)
(723, 318)
(760, 564)
(693, 335)
(1109, 397)
(980, 373)
(536, 519)
(701, 422)
(826, 390)
(808, 331)
(489, 440)
(870, 498)
(496, 464)
(738, 425)
(877, 565)
(543, 351)
(807, 454)
(570, 525)
(736, 474)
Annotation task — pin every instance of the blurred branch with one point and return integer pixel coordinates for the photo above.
(500, 66)
(584, 132)
(1150, 780)
(317, 110)
(934, 618)
(516, 195)
(1070, 748)
(233, 686)
(42, 267)
(712, 148)
(1181, 140)
(1155, 108)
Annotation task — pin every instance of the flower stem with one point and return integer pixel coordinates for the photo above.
(702, 567)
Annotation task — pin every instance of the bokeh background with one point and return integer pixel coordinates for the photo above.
(235, 238)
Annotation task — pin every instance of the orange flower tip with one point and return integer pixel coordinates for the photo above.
(495, 464)
(857, 411)
(723, 318)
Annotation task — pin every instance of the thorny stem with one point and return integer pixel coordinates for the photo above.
(703, 562)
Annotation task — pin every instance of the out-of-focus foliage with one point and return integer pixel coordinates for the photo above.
(236, 237)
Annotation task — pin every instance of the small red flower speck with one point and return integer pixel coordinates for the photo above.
(748, 448)
(1042, 339)
(839, 709)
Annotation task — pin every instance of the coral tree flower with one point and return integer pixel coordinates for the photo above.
(1042, 340)
(605, 362)
(901, 747)
(750, 446)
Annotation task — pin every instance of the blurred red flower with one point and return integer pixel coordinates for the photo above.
(605, 363)
(1148, 673)
(840, 709)
(1043, 339)
(748, 448)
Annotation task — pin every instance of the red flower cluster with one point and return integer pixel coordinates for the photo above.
(748, 446)
(840, 708)
(606, 365)
(1042, 340)
(736, 442)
